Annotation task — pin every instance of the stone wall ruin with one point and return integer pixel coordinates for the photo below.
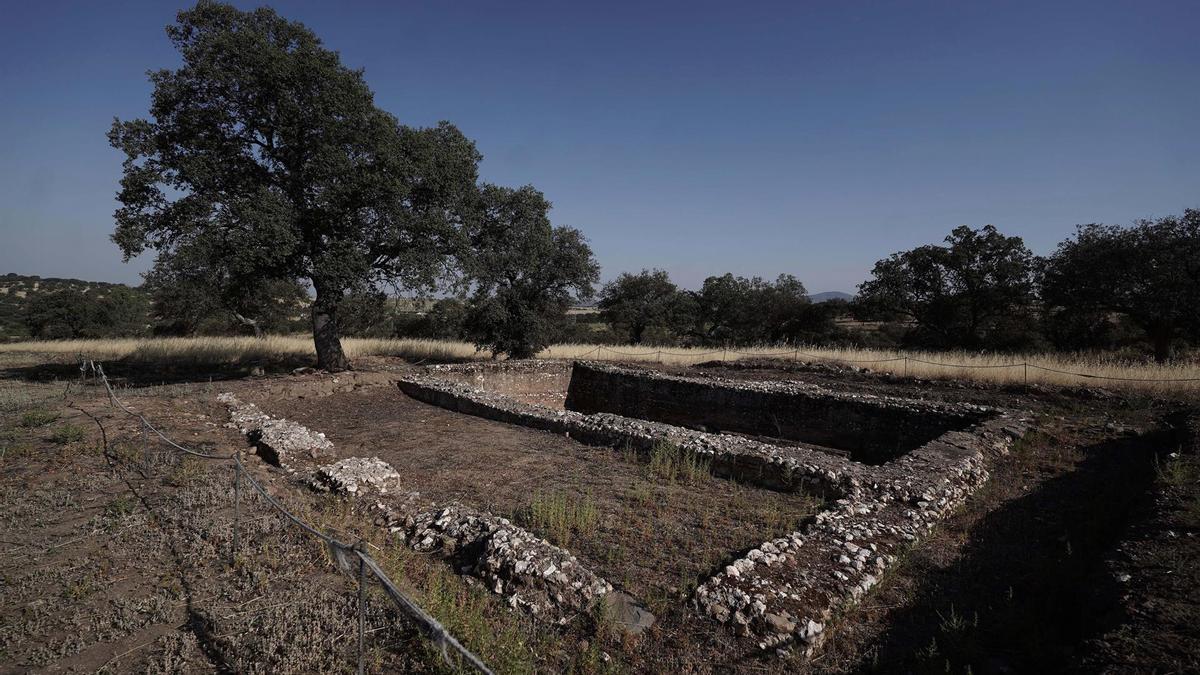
(922, 460)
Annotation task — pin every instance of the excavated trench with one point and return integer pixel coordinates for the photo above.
(870, 430)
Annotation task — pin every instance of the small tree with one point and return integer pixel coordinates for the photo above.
(1149, 272)
(523, 271)
(737, 310)
(264, 152)
(959, 294)
(633, 303)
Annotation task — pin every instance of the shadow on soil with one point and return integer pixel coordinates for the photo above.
(138, 373)
(1030, 585)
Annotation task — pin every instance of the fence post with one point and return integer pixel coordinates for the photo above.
(660, 356)
(906, 366)
(362, 607)
(237, 505)
(1026, 367)
(145, 447)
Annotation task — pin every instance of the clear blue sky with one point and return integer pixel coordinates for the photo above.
(800, 137)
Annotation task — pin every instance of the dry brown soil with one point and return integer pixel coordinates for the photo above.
(112, 561)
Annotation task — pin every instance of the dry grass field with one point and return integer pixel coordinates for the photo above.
(1047, 369)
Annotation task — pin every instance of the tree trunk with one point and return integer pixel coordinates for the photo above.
(521, 352)
(636, 333)
(1161, 337)
(253, 323)
(330, 356)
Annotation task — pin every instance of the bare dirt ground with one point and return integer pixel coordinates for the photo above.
(1080, 554)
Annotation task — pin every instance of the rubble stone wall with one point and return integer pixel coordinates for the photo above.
(872, 430)
(785, 592)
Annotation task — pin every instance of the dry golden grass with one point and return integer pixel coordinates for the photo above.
(997, 368)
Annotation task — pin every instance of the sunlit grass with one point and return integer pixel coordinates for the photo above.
(995, 368)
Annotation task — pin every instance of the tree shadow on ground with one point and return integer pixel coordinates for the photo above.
(142, 372)
(1029, 587)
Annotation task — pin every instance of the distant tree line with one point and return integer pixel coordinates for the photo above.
(1104, 288)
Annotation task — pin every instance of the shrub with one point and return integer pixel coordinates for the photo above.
(67, 433)
(38, 418)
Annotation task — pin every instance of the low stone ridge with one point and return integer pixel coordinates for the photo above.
(788, 589)
(355, 474)
(532, 574)
(277, 440)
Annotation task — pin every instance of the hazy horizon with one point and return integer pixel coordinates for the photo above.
(696, 138)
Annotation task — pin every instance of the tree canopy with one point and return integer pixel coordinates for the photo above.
(1149, 272)
(525, 272)
(731, 309)
(194, 293)
(265, 153)
(635, 303)
(963, 294)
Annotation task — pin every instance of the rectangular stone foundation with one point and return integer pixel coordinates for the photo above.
(922, 459)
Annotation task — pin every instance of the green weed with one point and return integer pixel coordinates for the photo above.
(66, 434)
(672, 463)
(38, 417)
(560, 515)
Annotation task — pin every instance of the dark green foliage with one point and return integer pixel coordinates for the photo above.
(525, 272)
(444, 321)
(21, 296)
(116, 311)
(267, 157)
(194, 293)
(1149, 273)
(731, 310)
(975, 292)
(637, 303)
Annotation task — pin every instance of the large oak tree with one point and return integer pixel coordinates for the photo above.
(958, 295)
(1149, 272)
(264, 152)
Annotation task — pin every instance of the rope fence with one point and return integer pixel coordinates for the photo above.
(1025, 366)
(342, 552)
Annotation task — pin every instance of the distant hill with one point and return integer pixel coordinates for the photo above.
(17, 290)
(830, 295)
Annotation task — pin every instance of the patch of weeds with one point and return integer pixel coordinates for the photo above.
(188, 470)
(672, 463)
(66, 434)
(119, 508)
(561, 515)
(125, 453)
(1177, 472)
(38, 417)
(13, 449)
(78, 590)
(642, 495)
(500, 642)
(774, 520)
